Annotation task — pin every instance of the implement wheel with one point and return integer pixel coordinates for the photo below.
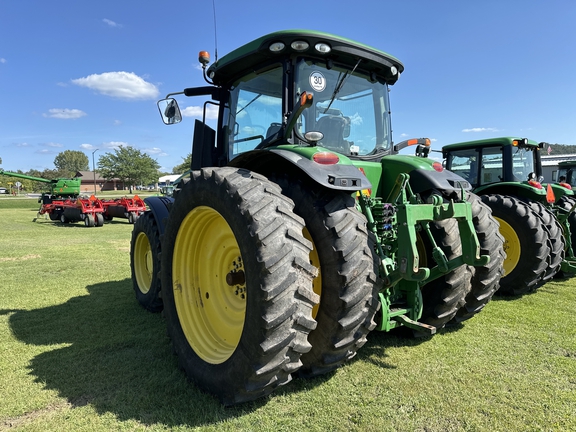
(347, 281)
(525, 244)
(485, 279)
(99, 219)
(89, 220)
(237, 284)
(145, 262)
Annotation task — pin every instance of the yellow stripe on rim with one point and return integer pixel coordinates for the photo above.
(143, 263)
(315, 261)
(511, 246)
(210, 309)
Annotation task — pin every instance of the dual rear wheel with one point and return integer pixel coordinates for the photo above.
(261, 279)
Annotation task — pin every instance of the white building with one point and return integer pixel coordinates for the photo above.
(550, 165)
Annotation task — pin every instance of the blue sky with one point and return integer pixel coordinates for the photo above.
(77, 75)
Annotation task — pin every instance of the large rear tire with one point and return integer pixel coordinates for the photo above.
(347, 282)
(567, 203)
(145, 250)
(555, 239)
(237, 284)
(485, 279)
(525, 244)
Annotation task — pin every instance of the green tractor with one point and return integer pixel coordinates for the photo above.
(535, 219)
(62, 187)
(299, 229)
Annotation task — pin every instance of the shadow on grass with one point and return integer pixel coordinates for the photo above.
(104, 350)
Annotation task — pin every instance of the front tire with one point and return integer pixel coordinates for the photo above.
(485, 279)
(145, 250)
(443, 297)
(237, 284)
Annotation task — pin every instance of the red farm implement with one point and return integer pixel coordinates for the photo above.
(90, 210)
(127, 208)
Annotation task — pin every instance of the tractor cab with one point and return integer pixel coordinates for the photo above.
(566, 175)
(495, 160)
(296, 89)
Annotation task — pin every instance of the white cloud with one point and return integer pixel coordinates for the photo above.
(122, 85)
(22, 144)
(2, 60)
(480, 130)
(64, 113)
(52, 144)
(111, 23)
(197, 111)
(114, 144)
(86, 146)
(117, 122)
(155, 151)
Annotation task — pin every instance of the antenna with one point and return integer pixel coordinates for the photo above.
(215, 32)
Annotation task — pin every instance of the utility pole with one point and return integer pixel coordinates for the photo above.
(94, 170)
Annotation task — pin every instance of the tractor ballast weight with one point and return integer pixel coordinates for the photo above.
(536, 219)
(297, 221)
(61, 187)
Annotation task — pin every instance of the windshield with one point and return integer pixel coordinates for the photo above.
(350, 109)
(523, 163)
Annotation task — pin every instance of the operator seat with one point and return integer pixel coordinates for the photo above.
(335, 129)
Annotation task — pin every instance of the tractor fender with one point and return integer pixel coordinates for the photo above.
(160, 207)
(451, 184)
(341, 176)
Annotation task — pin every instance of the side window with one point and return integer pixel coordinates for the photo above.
(255, 110)
(465, 164)
(491, 165)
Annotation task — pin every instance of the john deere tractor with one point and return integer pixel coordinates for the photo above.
(62, 187)
(299, 229)
(535, 219)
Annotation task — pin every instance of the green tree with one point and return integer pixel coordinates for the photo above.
(184, 166)
(69, 162)
(129, 165)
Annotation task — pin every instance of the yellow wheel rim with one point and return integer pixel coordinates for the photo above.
(143, 263)
(209, 285)
(511, 246)
(315, 261)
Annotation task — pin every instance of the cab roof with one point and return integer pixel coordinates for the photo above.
(489, 142)
(346, 51)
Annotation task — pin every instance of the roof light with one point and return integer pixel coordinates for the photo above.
(520, 142)
(393, 70)
(323, 47)
(277, 47)
(300, 45)
(325, 158)
(204, 57)
(438, 166)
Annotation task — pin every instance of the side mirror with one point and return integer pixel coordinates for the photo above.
(170, 111)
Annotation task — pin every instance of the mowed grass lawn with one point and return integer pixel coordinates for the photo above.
(77, 353)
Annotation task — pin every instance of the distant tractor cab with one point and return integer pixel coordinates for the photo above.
(535, 219)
